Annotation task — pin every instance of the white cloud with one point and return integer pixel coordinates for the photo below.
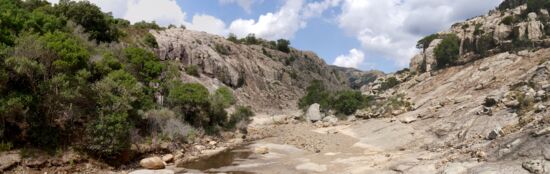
(208, 24)
(245, 4)
(391, 27)
(353, 60)
(284, 23)
(164, 12)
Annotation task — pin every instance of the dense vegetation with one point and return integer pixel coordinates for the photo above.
(447, 52)
(282, 45)
(344, 102)
(71, 75)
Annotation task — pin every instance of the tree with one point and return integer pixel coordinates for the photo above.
(447, 52)
(233, 38)
(145, 64)
(425, 42)
(283, 45)
(192, 100)
(347, 102)
(99, 25)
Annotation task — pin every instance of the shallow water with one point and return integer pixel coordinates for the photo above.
(224, 159)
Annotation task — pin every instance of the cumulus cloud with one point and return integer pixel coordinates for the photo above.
(284, 23)
(353, 60)
(245, 4)
(392, 27)
(208, 24)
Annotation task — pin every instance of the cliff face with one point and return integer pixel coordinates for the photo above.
(511, 27)
(261, 77)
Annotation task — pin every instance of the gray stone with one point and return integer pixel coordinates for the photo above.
(313, 113)
(495, 133)
(330, 119)
(533, 166)
(542, 132)
(8, 160)
(408, 119)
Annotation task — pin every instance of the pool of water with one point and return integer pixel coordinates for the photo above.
(224, 159)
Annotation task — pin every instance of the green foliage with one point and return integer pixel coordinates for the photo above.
(389, 83)
(508, 20)
(425, 42)
(477, 30)
(233, 38)
(72, 56)
(150, 41)
(147, 25)
(106, 65)
(192, 70)
(447, 52)
(347, 102)
(144, 63)
(222, 49)
(226, 95)
(192, 99)
(536, 5)
(316, 93)
(119, 92)
(5, 146)
(99, 25)
(241, 115)
(250, 39)
(283, 45)
(109, 136)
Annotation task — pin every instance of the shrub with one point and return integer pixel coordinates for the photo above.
(283, 45)
(221, 49)
(150, 41)
(508, 20)
(106, 65)
(226, 95)
(250, 39)
(192, 70)
(347, 102)
(165, 123)
(389, 83)
(99, 25)
(147, 25)
(108, 136)
(233, 38)
(192, 100)
(477, 30)
(145, 64)
(242, 115)
(425, 42)
(447, 52)
(316, 93)
(72, 56)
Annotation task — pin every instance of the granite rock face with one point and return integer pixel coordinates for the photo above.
(261, 77)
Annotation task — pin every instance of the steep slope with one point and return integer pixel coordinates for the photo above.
(262, 77)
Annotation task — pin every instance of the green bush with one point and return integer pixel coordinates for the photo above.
(389, 83)
(316, 93)
(72, 56)
(221, 49)
(226, 95)
(145, 64)
(192, 99)
(508, 20)
(150, 41)
(99, 25)
(283, 45)
(425, 42)
(147, 25)
(347, 102)
(447, 52)
(242, 115)
(233, 38)
(109, 136)
(106, 65)
(192, 70)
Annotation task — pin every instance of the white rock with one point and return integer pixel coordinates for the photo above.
(542, 132)
(142, 171)
(152, 163)
(313, 113)
(168, 158)
(261, 150)
(408, 119)
(533, 166)
(312, 167)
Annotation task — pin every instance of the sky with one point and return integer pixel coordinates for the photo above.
(362, 34)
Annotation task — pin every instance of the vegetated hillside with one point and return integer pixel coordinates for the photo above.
(266, 75)
(476, 96)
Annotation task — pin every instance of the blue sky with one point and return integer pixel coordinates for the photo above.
(363, 34)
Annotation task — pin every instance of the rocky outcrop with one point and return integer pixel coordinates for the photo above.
(152, 163)
(261, 77)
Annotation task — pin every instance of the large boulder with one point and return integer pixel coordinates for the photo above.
(535, 29)
(314, 113)
(502, 32)
(8, 160)
(152, 163)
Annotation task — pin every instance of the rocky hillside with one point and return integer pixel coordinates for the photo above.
(261, 76)
(480, 109)
(512, 27)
